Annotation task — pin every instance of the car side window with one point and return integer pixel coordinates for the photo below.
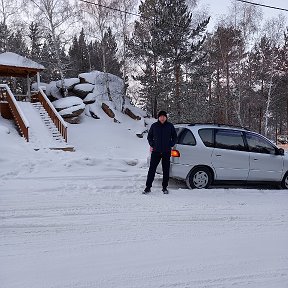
(187, 138)
(229, 139)
(258, 144)
(206, 136)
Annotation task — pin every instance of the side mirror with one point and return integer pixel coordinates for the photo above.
(280, 151)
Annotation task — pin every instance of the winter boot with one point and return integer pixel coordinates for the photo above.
(146, 190)
(165, 191)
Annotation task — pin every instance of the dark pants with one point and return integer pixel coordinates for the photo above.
(155, 159)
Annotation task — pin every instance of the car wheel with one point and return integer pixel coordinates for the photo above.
(199, 178)
(284, 183)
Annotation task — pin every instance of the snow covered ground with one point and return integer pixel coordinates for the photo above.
(79, 220)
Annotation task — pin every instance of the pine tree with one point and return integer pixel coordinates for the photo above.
(112, 63)
(79, 56)
(84, 63)
(17, 44)
(4, 37)
(35, 38)
(165, 39)
(48, 61)
(144, 51)
(74, 57)
(226, 52)
(94, 52)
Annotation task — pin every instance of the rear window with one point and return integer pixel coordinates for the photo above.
(186, 138)
(206, 136)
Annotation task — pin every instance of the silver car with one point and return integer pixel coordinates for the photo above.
(205, 154)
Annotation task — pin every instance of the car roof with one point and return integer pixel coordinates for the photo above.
(209, 125)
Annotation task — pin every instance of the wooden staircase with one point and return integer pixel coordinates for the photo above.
(58, 138)
(38, 122)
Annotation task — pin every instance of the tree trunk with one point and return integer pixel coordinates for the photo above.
(287, 117)
(268, 103)
(177, 92)
(260, 119)
(124, 58)
(227, 98)
(155, 106)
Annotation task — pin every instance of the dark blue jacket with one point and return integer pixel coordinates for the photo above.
(162, 137)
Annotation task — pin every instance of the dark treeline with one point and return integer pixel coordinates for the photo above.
(237, 74)
(82, 56)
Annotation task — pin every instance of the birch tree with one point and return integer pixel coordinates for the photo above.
(274, 29)
(123, 23)
(98, 22)
(8, 10)
(54, 16)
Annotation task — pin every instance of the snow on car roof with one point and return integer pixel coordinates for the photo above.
(211, 125)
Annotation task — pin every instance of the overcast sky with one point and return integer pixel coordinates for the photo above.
(218, 7)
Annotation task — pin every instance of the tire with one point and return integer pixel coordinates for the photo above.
(199, 178)
(284, 182)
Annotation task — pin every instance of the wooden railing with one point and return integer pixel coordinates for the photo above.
(2, 95)
(19, 117)
(52, 112)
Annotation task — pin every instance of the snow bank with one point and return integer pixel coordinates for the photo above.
(12, 147)
(4, 130)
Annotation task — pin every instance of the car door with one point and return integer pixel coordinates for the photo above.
(265, 164)
(230, 157)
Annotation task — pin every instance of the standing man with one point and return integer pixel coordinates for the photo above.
(162, 137)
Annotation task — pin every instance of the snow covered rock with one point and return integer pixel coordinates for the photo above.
(73, 111)
(34, 86)
(89, 99)
(98, 77)
(82, 90)
(53, 91)
(67, 102)
(69, 83)
(70, 108)
(107, 86)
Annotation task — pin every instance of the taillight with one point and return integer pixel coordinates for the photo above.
(175, 153)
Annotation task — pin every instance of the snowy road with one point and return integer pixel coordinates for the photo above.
(97, 230)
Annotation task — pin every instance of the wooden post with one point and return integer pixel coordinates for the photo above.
(29, 88)
(38, 80)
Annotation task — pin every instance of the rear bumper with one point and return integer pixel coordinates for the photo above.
(179, 171)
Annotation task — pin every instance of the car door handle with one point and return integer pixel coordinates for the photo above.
(218, 155)
(255, 159)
